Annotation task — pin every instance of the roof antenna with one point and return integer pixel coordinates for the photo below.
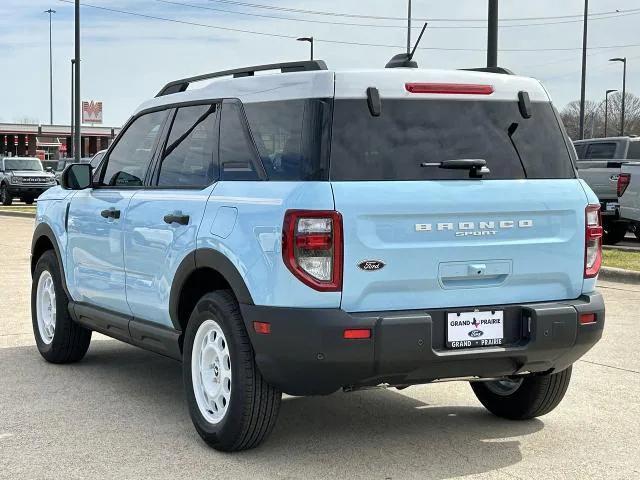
(405, 60)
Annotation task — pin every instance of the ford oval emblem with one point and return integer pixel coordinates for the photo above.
(371, 265)
(476, 333)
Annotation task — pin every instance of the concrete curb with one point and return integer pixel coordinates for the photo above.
(18, 214)
(621, 248)
(621, 275)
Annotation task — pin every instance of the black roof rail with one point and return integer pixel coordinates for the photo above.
(503, 71)
(181, 85)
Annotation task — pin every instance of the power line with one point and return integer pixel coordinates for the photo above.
(404, 19)
(374, 25)
(338, 42)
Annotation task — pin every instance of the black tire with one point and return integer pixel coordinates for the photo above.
(254, 404)
(5, 197)
(70, 340)
(536, 396)
(28, 201)
(614, 232)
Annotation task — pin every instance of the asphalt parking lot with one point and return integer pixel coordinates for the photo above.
(120, 413)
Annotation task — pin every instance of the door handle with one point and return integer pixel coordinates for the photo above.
(176, 218)
(110, 213)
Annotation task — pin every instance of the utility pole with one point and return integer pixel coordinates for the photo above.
(624, 88)
(50, 12)
(76, 143)
(584, 67)
(492, 35)
(606, 109)
(409, 29)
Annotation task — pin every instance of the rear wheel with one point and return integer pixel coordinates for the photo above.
(614, 232)
(523, 398)
(5, 196)
(28, 201)
(58, 337)
(231, 405)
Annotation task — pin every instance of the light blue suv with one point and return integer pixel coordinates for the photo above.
(310, 230)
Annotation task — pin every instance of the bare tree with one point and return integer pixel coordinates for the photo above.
(594, 117)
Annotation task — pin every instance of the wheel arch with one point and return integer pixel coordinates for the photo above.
(203, 270)
(44, 239)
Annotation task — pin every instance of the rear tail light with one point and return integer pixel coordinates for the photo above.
(312, 248)
(450, 88)
(623, 182)
(593, 241)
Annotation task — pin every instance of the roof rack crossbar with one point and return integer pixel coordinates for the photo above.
(181, 85)
(504, 71)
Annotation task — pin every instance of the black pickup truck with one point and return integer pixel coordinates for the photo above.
(23, 178)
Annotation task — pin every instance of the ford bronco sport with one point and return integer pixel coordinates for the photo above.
(310, 230)
(24, 178)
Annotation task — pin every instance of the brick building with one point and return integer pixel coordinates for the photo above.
(50, 142)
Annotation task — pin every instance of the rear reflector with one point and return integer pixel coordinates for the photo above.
(586, 318)
(623, 182)
(357, 334)
(450, 88)
(263, 328)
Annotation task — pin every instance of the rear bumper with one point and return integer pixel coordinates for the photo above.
(305, 353)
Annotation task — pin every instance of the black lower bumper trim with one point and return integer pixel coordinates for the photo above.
(306, 354)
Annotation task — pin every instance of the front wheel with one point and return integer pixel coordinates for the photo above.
(5, 196)
(58, 337)
(523, 398)
(28, 201)
(232, 407)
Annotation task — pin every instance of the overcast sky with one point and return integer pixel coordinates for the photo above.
(126, 58)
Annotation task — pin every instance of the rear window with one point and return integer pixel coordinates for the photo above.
(411, 132)
(634, 150)
(600, 151)
(291, 137)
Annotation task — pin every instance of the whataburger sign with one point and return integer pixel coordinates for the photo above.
(91, 112)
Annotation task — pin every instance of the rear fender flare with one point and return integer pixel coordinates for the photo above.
(206, 258)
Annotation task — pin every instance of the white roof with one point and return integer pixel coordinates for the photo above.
(352, 84)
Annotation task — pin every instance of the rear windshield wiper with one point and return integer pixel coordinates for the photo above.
(477, 166)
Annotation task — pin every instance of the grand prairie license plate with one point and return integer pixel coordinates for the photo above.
(475, 329)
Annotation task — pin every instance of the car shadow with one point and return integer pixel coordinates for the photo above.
(373, 434)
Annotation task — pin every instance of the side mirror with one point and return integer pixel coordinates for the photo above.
(76, 176)
(48, 169)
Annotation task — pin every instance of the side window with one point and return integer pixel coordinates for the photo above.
(188, 158)
(601, 151)
(634, 150)
(237, 153)
(580, 148)
(129, 160)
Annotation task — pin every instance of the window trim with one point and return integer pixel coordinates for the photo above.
(256, 160)
(107, 156)
(157, 161)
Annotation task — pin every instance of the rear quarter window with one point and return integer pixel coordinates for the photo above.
(634, 150)
(411, 132)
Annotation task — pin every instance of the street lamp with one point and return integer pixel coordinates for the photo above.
(71, 146)
(310, 40)
(583, 82)
(606, 109)
(624, 88)
(50, 12)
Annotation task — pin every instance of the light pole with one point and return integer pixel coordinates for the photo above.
(606, 109)
(50, 12)
(71, 147)
(76, 101)
(492, 35)
(624, 88)
(310, 40)
(584, 67)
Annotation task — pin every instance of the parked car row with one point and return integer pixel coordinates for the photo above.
(607, 166)
(26, 178)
